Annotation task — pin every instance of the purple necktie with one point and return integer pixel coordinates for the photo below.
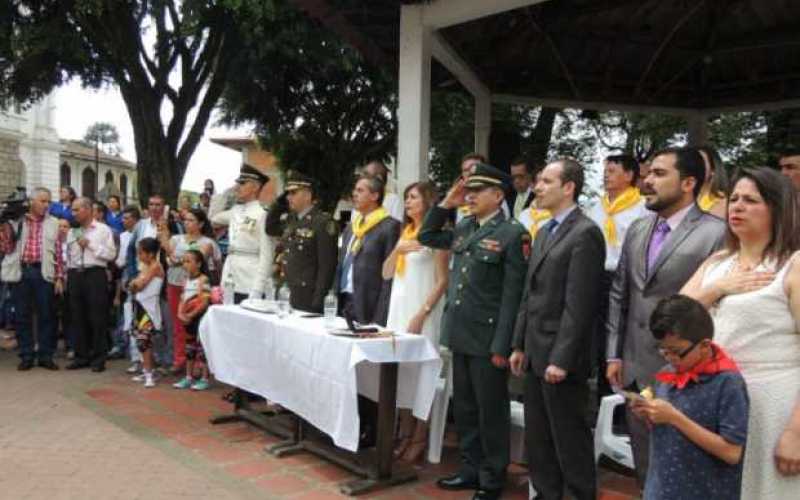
(656, 242)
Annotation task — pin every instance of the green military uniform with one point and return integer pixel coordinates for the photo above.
(310, 248)
(487, 271)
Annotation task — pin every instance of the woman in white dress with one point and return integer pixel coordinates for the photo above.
(419, 281)
(752, 289)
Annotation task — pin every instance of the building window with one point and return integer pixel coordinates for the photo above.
(65, 175)
(88, 183)
(123, 186)
(109, 177)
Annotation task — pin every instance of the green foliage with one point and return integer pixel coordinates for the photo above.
(315, 102)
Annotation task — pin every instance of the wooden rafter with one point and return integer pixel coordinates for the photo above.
(556, 53)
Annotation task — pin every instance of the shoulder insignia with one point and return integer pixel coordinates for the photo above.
(526, 245)
(331, 228)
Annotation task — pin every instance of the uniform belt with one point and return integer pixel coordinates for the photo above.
(239, 251)
(85, 269)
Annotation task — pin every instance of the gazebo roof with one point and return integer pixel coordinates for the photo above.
(707, 55)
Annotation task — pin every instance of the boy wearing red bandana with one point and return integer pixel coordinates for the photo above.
(698, 418)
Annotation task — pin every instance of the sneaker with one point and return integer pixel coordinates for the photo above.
(138, 378)
(149, 380)
(136, 367)
(200, 385)
(71, 355)
(183, 383)
(115, 353)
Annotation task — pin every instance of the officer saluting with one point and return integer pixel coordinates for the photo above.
(309, 240)
(250, 251)
(487, 272)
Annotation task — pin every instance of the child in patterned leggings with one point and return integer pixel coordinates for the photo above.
(194, 302)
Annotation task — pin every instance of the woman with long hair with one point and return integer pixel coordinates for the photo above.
(752, 290)
(419, 277)
(198, 229)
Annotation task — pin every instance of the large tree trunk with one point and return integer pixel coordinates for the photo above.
(541, 136)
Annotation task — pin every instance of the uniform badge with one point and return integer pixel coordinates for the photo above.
(526, 245)
(490, 245)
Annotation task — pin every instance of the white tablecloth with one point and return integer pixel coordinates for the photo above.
(295, 363)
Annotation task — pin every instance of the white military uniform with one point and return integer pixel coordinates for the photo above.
(250, 251)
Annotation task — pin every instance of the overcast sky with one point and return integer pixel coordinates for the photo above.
(76, 109)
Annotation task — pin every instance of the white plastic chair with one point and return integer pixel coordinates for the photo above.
(441, 403)
(617, 447)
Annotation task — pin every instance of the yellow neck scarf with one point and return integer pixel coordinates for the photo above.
(708, 200)
(409, 233)
(537, 216)
(362, 225)
(464, 210)
(629, 198)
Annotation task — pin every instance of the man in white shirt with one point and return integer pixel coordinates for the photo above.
(250, 252)
(90, 248)
(522, 180)
(391, 201)
(130, 217)
(614, 213)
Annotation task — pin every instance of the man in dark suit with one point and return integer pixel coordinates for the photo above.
(366, 243)
(660, 253)
(309, 239)
(522, 180)
(553, 337)
(484, 289)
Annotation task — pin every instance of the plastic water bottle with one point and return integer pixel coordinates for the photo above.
(284, 301)
(269, 290)
(330, 310)
(228, 288)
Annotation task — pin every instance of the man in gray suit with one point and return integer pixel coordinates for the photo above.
(366, 244)
(660, 253)
(553, 337)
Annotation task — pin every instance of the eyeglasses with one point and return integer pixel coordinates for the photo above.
(672, 353)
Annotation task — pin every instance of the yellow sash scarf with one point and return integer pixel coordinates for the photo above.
(537, 216)
(464, 210)
(708, 200)
(629, 198)
(409, 233)
(362, 225)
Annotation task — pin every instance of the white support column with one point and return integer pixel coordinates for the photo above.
(483, 123)
(697, 129)
(414, 107)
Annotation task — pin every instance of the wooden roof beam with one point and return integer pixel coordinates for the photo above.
(442, 13)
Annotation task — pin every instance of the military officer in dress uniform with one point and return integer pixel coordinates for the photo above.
(487, 272)
(309, 238)
(250, 251)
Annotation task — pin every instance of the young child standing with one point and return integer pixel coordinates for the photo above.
(194, 302)
(700, 410)
(146, 290)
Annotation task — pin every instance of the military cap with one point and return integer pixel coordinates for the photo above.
(296, 180)
(251, 173)
(484, 175)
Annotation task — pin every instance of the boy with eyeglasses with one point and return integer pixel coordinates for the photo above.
(698, 417)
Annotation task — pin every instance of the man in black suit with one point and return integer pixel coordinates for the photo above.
(366, 243)
(553, 337)
(522, 180)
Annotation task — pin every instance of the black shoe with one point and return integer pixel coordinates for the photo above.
(25, 365)
(49, 364)
(456, 483)
(77, 365)
(99, 368)
(487, 495)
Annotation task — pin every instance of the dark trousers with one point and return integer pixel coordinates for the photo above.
(483, 419)
(88, 301)
(640, 441)
(558, 438)
(34, 292)
(603, 387)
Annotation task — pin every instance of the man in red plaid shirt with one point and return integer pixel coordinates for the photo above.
(33, 261)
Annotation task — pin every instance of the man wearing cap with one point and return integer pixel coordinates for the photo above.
(486, 276)
(250, 250)
(309, 240)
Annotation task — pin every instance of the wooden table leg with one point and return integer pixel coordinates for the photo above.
(383, 475)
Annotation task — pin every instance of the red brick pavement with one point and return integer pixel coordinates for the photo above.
(236, 450)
